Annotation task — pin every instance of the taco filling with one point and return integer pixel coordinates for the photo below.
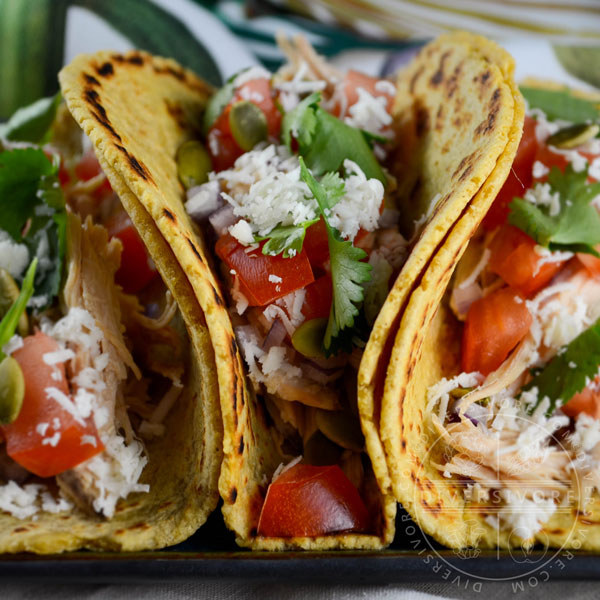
(521, 424)
(290, 185)
(92, 349)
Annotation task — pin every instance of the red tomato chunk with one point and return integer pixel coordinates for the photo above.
(259, 274)
(24, 442)
(136, 270)
(513, 257)
(311, 501)
(495, 325)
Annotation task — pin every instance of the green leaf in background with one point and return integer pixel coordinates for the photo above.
(581, 61)
(149, 27)
(30, 194)
(561, 104)
(32, 123)
(20, 174)
(32, 40)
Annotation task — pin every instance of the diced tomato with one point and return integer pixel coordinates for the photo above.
(513, 257)
(254, 268)
(87, 168)
(137, 269)
(221, 144)
(59, 446)
(495, 325)
(354, 80)
(316, 244)
(311, 501)
(317, 301)
(518, 180)
(548, 157)
(590, 262)
(586, 401)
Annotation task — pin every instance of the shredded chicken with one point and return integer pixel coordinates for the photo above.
(92, 263)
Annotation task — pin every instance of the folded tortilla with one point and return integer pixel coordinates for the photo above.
(137, 109)
(183, 465)
(426, 348)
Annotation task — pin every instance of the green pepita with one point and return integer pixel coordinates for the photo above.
(342, 428)
(248, 124)
(308, 338)
(193, 163)
(9, 292)
(574, 135)
(12, 390)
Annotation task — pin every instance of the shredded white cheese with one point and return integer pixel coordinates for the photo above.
(14, 257)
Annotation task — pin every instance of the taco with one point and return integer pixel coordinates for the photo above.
(291, 180)
(109, 426)
(493, 439)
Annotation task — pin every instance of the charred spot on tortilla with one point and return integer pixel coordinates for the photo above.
(466, 173)
(438, 76)
(141, 525)
(217, 296)
(422, 121)
(138, 167)
(105, 70)
(232, 495)
(118, 57)
(169, 215)
(135, 59)
(90, 79)
(439, 118)
(20, 529)
(241, 445)
(169, 70)
(195, 250)
(414, 79)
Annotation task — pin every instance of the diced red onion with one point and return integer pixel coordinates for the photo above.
(275, 336)
(321, 376)
(465, 296)
(204, 200)
(222, 219)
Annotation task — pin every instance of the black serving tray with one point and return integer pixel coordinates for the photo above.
(211, 553)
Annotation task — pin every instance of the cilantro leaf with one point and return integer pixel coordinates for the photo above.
(284, 238)
(576, 227)
(301, 122)
(347, 270)
(10, 321)
(20, 174)
(334, 187)
(31, 199)
(325, 142)
(32, 123)
(560, 380)
(561, 104)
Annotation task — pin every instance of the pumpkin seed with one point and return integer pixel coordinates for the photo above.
(308, 338)
(574, 135)
(342, 428)
(12, 390)
(193, 163)
(248, 124)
